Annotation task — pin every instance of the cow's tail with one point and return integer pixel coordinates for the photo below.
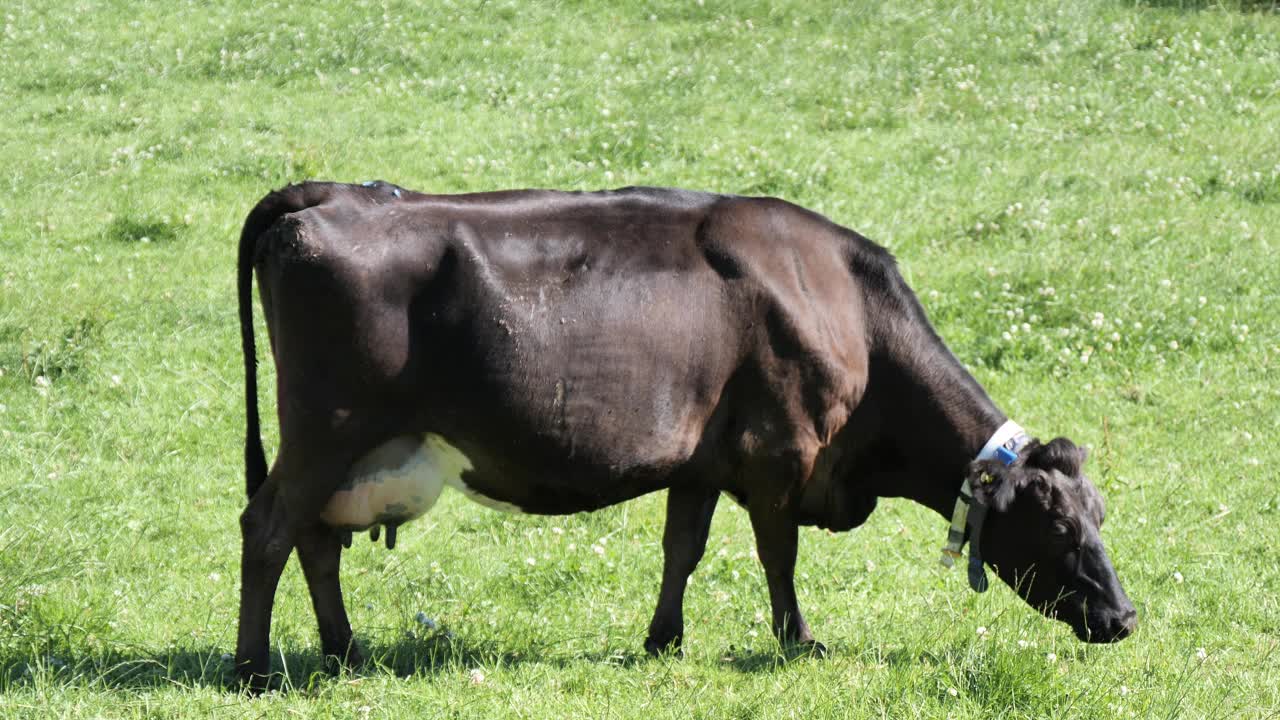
(271, 208)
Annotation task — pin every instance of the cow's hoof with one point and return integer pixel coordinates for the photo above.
(804, 649)
(664, 648)
(349, 658)
(253, 684)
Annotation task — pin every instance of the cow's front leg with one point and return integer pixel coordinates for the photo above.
(266, 547)
(689, 512)
(320, 554)
(776, 538)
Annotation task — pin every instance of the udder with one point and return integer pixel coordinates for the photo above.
(395, 483)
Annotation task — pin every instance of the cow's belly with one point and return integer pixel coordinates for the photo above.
(399, 481)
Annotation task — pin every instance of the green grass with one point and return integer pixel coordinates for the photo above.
(1084, 194)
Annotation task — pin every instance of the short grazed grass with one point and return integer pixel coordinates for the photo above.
(1084, 195)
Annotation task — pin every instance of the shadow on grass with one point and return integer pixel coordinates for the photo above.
(293, 670)
(773, 656)
(1246, 6)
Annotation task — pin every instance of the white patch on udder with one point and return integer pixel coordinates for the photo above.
(399, 481)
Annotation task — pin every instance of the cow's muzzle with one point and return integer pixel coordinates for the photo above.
(1109, 627)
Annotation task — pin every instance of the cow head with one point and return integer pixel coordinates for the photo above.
(1041, 537)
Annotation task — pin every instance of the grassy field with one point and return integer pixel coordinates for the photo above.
(1084, 194)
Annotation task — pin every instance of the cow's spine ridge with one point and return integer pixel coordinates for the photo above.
(271, 208)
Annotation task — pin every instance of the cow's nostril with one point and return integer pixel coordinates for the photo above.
(1131, 620)
(1123, 625)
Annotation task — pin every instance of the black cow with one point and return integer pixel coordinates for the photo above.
(553, 352)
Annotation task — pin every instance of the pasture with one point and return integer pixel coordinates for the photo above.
(1085, 196)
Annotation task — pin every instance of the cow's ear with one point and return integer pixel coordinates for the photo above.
(1058, 454)
(994, 484)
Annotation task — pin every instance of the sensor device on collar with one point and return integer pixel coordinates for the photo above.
(970, 514)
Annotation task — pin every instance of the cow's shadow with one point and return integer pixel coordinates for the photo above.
(294, 669)
(770, 656)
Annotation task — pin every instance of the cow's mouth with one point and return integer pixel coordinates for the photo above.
(1108, 628)
(1095, 627)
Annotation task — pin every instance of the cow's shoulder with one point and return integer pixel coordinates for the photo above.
(792, 274)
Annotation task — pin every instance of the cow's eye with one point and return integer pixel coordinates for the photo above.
(1061, 529)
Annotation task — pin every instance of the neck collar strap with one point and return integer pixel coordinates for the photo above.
(970, 514)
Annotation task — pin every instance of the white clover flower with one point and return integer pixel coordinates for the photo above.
(476, 676)
(1201, 655)
(1177, 577)
(953, 692)
(982, 631)
(1051, 657)
(597, 549)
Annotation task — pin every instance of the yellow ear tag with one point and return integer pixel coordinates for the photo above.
(987, 479)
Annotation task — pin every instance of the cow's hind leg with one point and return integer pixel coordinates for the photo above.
(689, 512)
(265, 549)
(320, 554)
(283, 513)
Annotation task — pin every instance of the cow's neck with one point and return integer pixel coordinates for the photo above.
(934, 417)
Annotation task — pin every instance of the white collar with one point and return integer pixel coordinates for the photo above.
(1010, 430)
(1003, 445)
